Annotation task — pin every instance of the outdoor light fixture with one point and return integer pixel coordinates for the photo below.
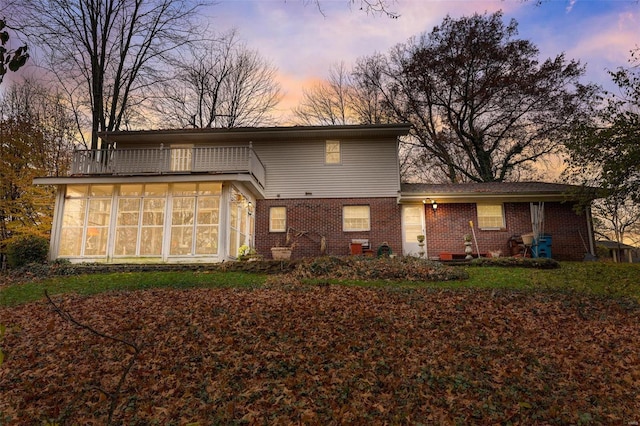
(434, 203)
(250, 208)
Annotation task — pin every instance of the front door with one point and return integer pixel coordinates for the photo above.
(412, 226)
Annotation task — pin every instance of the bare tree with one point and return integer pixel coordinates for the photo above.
(342, 99)
(107, 54)
(368, 6)
(616, 217)
(328, 102)
(221, 83)
(47, 109)
(481, 104)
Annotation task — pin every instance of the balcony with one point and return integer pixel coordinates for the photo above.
(156, 161)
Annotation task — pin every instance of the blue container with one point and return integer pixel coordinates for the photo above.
(542, 246)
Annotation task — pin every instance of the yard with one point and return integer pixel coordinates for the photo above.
(506, 346)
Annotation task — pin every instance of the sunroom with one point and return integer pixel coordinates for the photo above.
(157, 196)
(151, 221)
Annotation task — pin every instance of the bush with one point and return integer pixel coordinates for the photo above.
(523, 262)
(28, 249)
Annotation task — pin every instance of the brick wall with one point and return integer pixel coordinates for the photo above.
(446, 228)
(323, 217)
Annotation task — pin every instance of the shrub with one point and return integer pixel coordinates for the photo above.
(27, 249)
(523, 262)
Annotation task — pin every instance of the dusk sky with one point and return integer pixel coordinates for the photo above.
(303, 44)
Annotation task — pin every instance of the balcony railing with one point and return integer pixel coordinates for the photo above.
(226, 159)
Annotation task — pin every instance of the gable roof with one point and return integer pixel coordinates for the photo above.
(494, 191)
(614, 245)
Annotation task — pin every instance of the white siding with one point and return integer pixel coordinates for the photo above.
(294, 168)
(369, 168)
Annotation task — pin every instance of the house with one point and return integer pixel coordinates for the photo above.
(198, 195)
(498, 214)
(618, 252)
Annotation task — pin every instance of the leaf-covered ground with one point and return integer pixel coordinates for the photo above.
(325, 355)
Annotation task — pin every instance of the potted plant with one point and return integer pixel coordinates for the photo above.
(246, 253)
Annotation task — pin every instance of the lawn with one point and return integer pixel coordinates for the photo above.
(506, 346)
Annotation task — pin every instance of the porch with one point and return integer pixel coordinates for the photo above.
(172, 160)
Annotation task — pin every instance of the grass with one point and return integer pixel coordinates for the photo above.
(97, 283)
(594, 278)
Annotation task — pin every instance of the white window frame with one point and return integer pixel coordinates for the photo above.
(194, 224)
(328, 155)
(351, 213)
(273, 228)
(481, 216)
(86, 230)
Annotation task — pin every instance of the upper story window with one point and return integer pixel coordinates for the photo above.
(356, 218)
(277, 219)
(332, 152)
(490, 216)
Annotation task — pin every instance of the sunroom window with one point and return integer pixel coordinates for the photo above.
(140, 219)
(85, 222)
(151, 220)
(195, 218)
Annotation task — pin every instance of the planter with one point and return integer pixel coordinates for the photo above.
(527, 239)
(446, 256)
(356, 248)
(281, 253)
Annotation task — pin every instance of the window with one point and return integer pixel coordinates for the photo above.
(490, 216)
(412, 220)
(332, 152)
(140, 220)
(72, 227)
(195, 218)
(85, 222)
(277, 219)
(182, 221)
(356, 218)
(127, 221)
